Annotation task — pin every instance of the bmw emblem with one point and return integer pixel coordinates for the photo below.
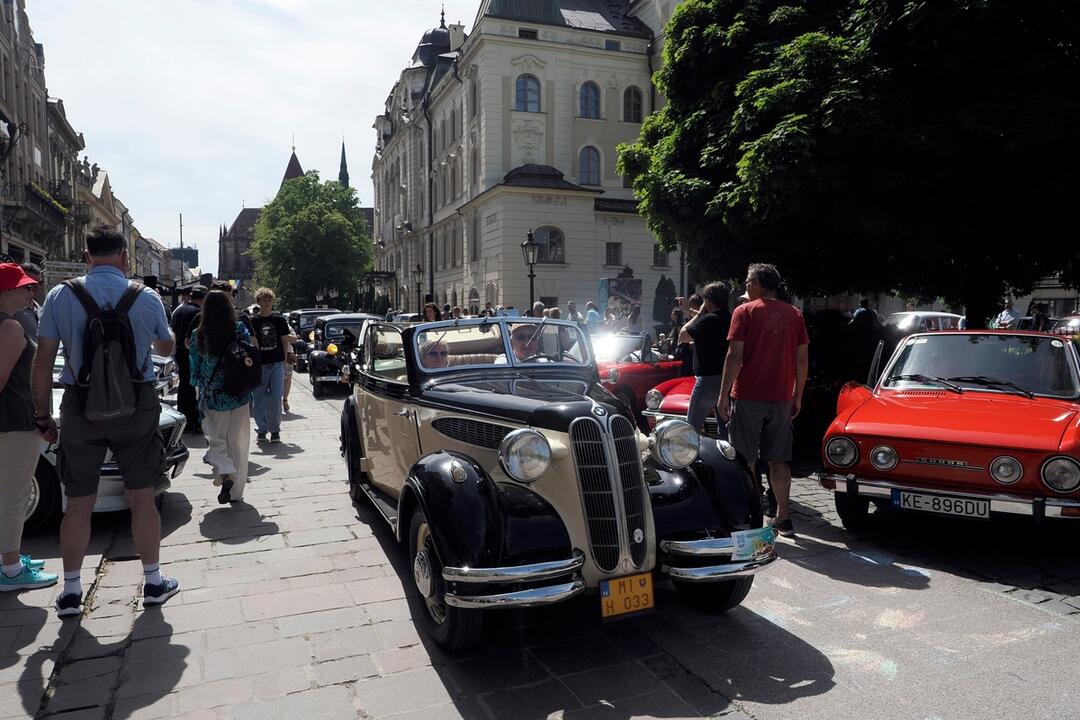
(639, 536)
(599, 411)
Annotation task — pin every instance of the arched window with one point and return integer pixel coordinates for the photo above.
(589, 166)
(527, 97)
(631, 105)
(590, 101)
(552, 245)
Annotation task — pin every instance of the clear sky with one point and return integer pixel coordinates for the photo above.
(191, 106)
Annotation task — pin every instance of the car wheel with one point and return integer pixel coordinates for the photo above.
(715, 597)
(317, 389)
(353, 454)
(45, 506)
(853, 511)
(451, 628)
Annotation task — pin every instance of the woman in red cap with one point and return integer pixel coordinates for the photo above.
(19, 441)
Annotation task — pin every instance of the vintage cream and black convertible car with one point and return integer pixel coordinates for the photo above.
(517, 480)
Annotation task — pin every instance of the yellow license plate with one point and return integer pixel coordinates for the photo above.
(629, 594)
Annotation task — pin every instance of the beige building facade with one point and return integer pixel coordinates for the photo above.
(513, 128)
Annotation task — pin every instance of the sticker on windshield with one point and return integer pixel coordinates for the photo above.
(1057, 343)
(920, 341)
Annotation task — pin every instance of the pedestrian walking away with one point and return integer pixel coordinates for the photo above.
(30, 315)
(226, 417)
(273, 334)
(764, 377)
(19, 442)
(183, 321)
(707, 329)
(126, 322)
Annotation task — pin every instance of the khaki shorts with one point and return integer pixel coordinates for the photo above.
(761, 429)
(136, 445)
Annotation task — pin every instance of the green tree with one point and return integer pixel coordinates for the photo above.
(310, 238)
(922, 147)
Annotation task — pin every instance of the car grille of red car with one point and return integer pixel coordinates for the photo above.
(598, 490)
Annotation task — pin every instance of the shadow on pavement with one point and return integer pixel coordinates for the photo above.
(120, 676)
(531, 663)
(236, 524)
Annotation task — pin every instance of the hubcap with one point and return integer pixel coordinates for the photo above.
(422, 573)
(34, 499)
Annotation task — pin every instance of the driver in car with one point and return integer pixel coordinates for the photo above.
(525, 342)
(434, 354)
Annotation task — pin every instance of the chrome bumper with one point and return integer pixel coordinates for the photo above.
(999, 502)
(710, 547)
(530, 597)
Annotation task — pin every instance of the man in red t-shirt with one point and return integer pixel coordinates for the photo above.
(764, 377)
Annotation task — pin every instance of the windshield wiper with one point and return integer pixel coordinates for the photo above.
(990, 382)
(916, 377)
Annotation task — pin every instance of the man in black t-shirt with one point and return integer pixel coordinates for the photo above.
(274, 338)
(708, 330)
(183, 318)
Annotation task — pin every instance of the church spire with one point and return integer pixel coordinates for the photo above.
(343, 173)
(293, 170)
(442, 17)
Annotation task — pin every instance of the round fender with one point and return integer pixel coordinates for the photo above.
(532, 531)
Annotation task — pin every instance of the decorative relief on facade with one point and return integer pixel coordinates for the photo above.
(491, 219)
(528, 62)
(528, 137)
(548, 200)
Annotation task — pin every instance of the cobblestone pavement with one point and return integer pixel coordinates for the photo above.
(298, 605)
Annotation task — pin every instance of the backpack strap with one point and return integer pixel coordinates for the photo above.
(129, 297)
(78, 286)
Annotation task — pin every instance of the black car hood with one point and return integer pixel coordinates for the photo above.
(545, 403)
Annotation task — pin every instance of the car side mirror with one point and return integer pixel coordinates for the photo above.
(875, 365)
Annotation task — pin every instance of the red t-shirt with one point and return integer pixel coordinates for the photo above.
(772, 331)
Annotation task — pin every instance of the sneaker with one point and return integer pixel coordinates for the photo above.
(784, 528)
(29, 562)
(158, 594)
(27, 579)
(275, 438)
(69, 605)
(260, 437)
(226, 485)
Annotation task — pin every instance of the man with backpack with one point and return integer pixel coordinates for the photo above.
(108, 326)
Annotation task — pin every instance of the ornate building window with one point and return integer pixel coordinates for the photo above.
(590, 101)
(589, 166)
(527, 95)
(632, 105)
(552, 245)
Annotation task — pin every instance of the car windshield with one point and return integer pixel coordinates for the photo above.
(336, 331)
(483, 345)
(986, 362)
(617, 348)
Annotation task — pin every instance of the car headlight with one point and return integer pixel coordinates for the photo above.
(883, 457)
(653, 398)
(331, 349)
(613, 375)
(525, 455)
(1061, 474)
(1006, 470)
(841, 452)
(675, 444)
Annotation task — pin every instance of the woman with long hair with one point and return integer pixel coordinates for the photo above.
(226, 418)
(431, 312)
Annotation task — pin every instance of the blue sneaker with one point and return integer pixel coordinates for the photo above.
(69, 605)
(158, 594)
(28, 579)
(29, 562)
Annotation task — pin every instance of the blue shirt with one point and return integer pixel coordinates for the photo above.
(208, 377)
(592, 319)
(63, 318)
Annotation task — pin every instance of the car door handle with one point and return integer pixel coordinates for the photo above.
(403, 413)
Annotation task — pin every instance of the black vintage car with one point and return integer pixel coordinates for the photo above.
(324, 357)
(516, 480)
(303, 324)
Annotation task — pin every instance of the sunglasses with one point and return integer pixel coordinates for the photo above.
(438, 353)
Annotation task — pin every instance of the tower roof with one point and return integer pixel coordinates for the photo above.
(293, 170)
(343, 171)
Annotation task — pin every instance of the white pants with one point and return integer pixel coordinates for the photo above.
(19, 452)
(228, 435)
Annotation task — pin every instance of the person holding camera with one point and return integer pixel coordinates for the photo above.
(707, 329)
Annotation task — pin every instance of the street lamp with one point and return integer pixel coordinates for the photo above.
(418, 277)
(529, 249)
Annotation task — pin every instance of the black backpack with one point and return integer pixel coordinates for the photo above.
(109, 379)
(240, 367)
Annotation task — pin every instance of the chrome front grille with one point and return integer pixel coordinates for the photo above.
(169, 435)
(628, 459)
(474, 432)
(597, 496)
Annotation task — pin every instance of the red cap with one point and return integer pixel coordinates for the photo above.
(12, 276)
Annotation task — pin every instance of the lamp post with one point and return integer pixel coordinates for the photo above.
(529, 249)
(418, 277)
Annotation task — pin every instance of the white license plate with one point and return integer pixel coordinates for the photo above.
(941, 504)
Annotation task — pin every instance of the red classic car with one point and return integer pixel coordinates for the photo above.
(962, 423)
(629, 367)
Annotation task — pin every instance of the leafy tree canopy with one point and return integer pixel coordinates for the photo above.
(923, 147)
(311, 237)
